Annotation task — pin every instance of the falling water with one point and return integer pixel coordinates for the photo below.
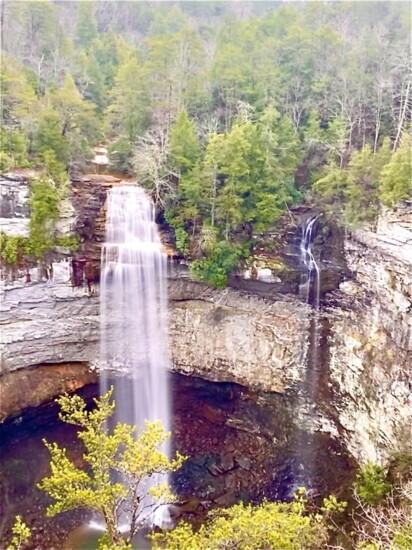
(133, 308)
(311, 274)
(310, 288)
(305, 450)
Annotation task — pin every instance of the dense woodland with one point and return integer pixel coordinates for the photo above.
(229, 112)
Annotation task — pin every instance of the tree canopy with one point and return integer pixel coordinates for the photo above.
(217, 108)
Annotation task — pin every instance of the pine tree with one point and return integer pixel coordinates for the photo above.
(184, 145)
(396, 176)
(86, 27)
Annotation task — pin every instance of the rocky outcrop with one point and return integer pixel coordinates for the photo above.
(14, 207)
(222, 336)
(47, 322)
(229, 336)
(32, 387)
(370, 339)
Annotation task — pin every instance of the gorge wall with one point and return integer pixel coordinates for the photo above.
(254, 334)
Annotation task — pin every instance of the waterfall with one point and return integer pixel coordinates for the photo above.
(133, 310)
(305, 448)
(311, 273)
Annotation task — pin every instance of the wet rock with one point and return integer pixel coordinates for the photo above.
(227, 462)
(243, 462)
(14, 208)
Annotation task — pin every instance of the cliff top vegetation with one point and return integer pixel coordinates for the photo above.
(228, 112)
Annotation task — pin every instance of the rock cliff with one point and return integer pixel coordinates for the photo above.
(255, 334)
(371, 339)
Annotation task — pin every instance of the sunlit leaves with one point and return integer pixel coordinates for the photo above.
(275, 526)
(133, 459)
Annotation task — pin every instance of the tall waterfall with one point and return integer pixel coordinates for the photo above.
(133, 309)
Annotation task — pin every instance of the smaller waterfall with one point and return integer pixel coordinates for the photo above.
(311, 273)
(309, 289)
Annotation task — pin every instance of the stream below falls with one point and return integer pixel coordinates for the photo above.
(241, 444)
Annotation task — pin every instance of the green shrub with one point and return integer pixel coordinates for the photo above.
(371, 484)
(6, 162)
(120, 153)
(13, 248)
(181, 239)
(215, 269)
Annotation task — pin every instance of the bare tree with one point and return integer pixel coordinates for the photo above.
(151, 164)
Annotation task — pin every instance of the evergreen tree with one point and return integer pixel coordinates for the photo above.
(362, 183)
(130, 109)
(86, 27)
(396, 176)
(184, 145)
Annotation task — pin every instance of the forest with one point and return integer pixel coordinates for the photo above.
(228, 112)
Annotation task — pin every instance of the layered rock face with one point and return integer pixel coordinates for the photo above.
(222, 336)
(14, 208)
(255, 334)
(230, 336)
(371, 339)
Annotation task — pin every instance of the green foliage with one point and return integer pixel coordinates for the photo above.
(54, 169)
(21, 535)
(181, 239)
(184, 146)
(270, 525)
(228, 119)
(13, 249)
(120, 153)
(13, 149)
(6, 162)
(49, 136)
(129, 109)
(355, 188)
(78, 123)
(214, 269)
(44, 202)
(70, 242)
(362, 179)
(133, 460)
(396, 176)
(371, 484)
(86, 28)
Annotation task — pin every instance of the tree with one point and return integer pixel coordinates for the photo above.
(18, 112)
(129, 110)
(78, 123)
(362, 182)
(184, 146)
(371, 485)
(268, 526)
(49, 136)
(396, 176)
(44, 203)
(133, 460)
(21, 534)
(86, 28)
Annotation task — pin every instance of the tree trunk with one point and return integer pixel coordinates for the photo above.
(402, 117)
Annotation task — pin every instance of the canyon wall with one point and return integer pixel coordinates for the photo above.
(371, 339)
(255, 334)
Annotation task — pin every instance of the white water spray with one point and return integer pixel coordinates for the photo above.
(133, 311)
